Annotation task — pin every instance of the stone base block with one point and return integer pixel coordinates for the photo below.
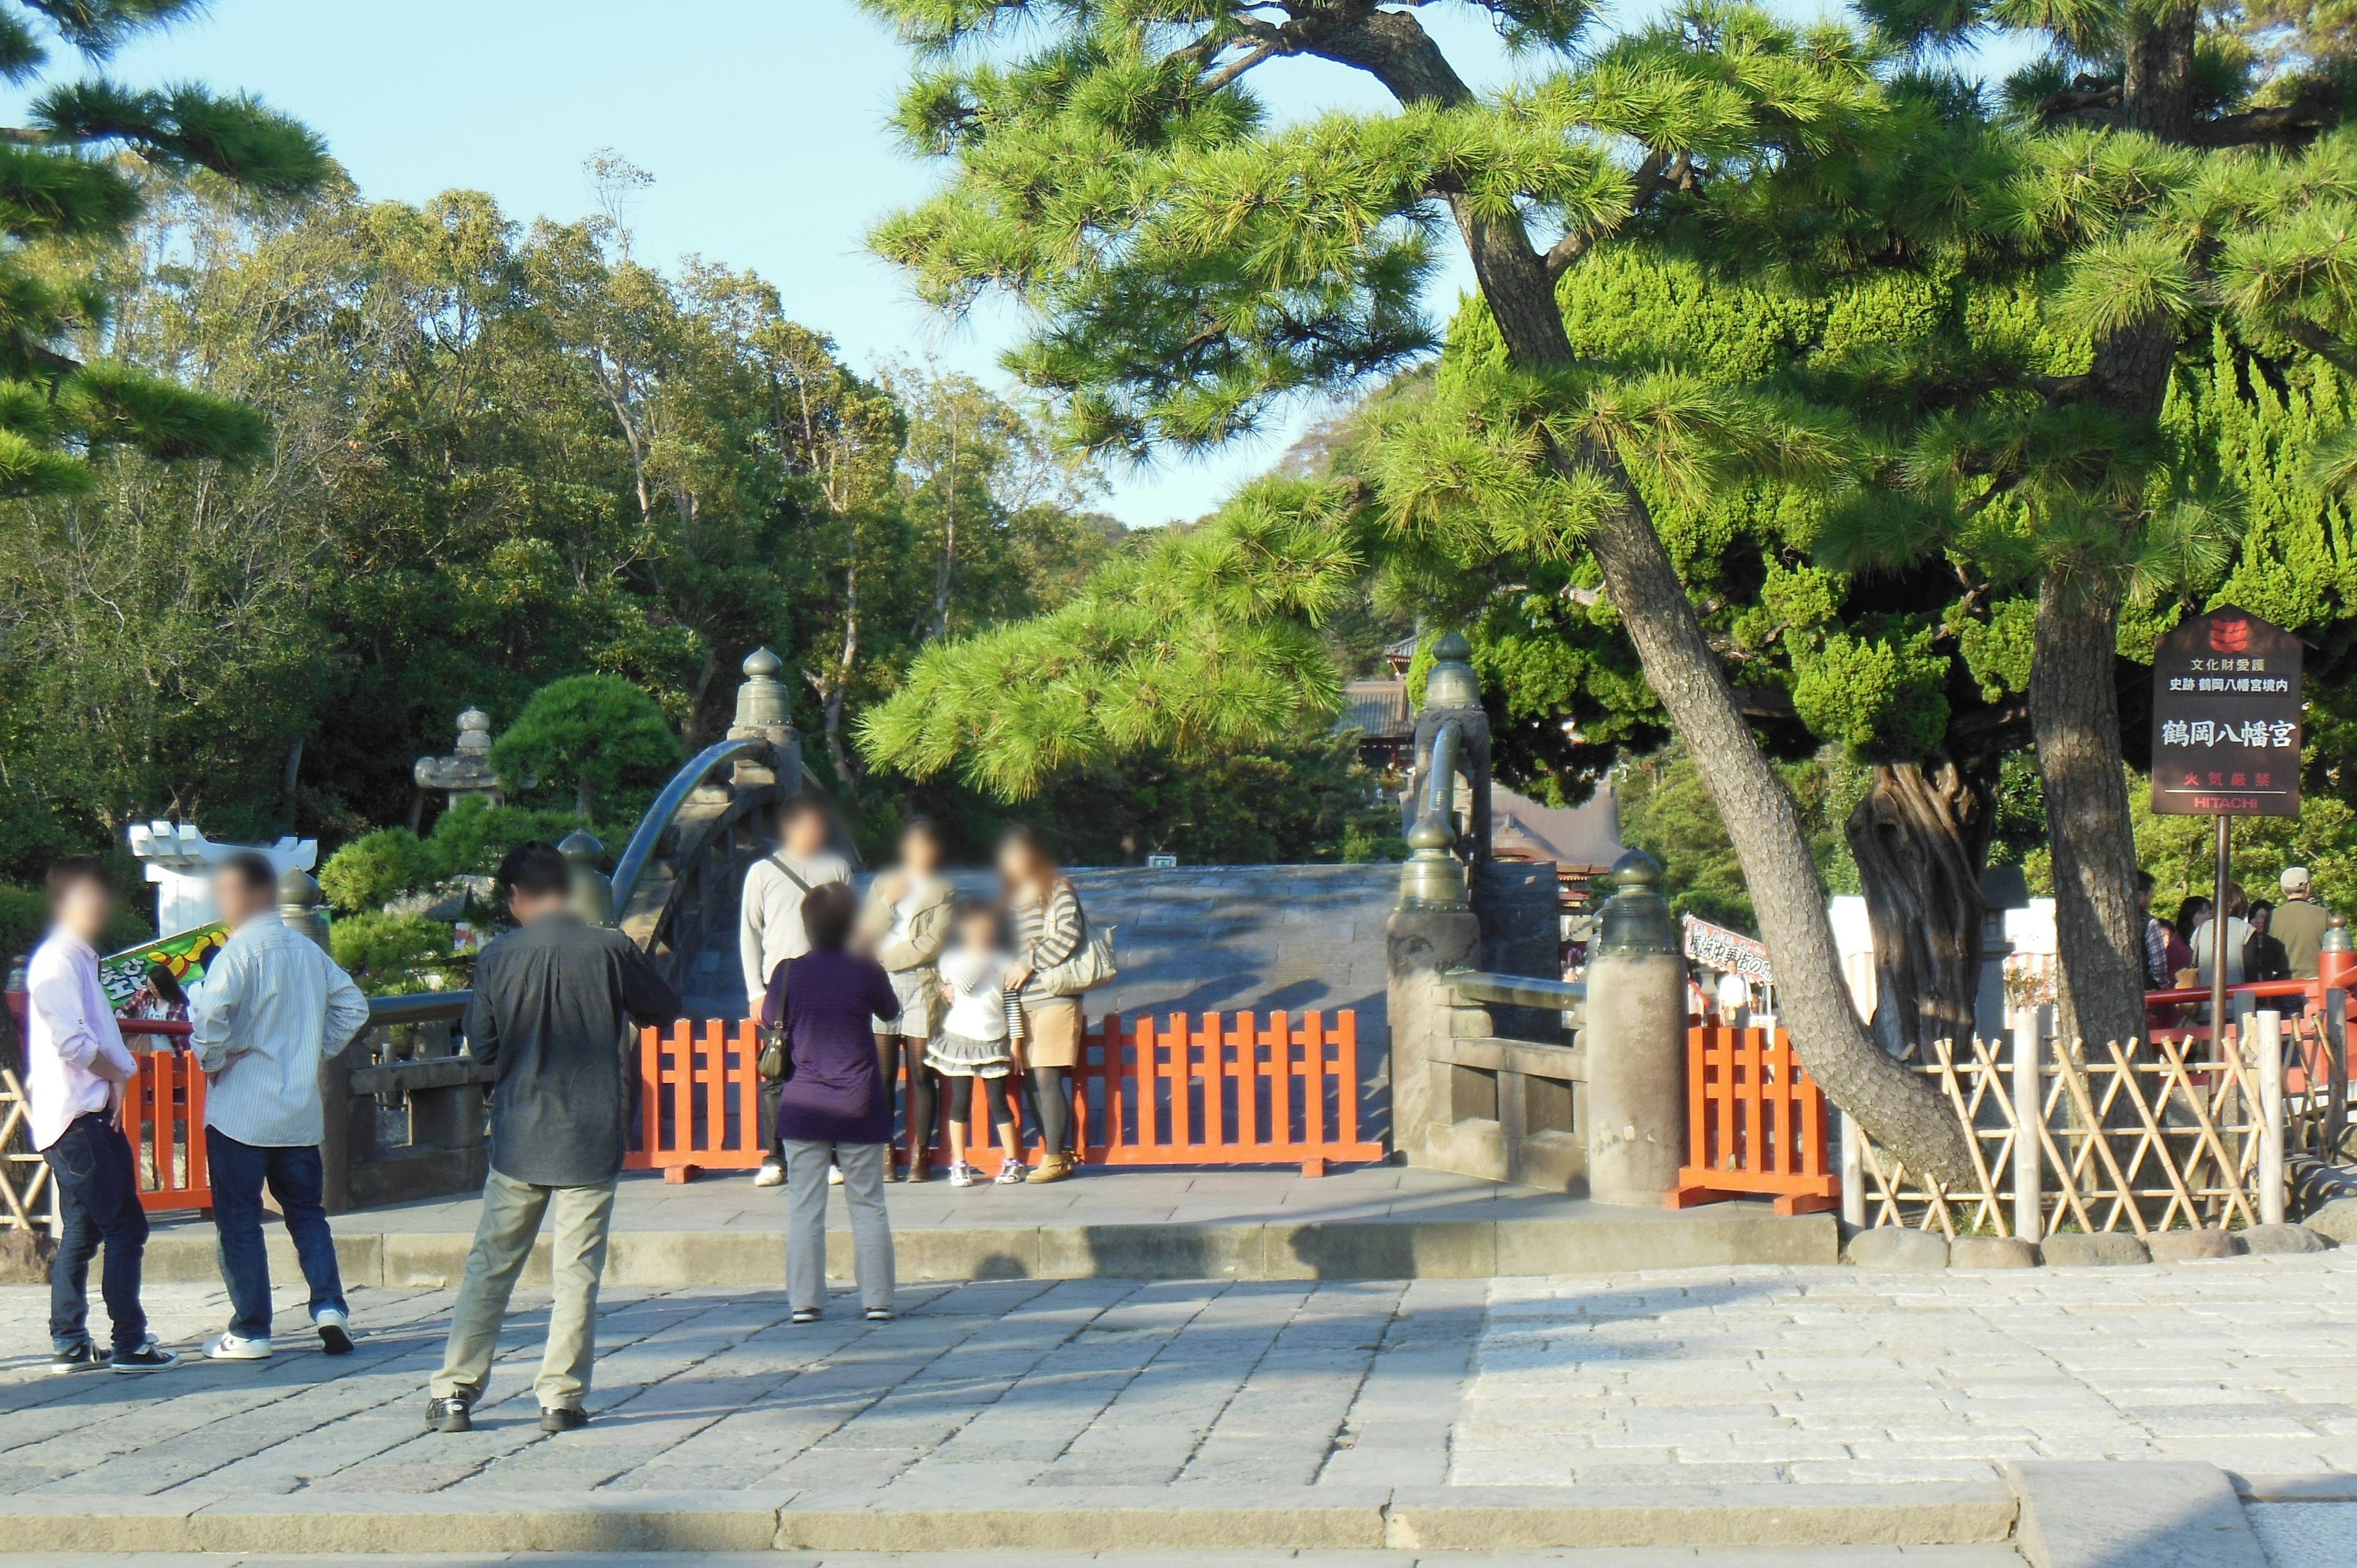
(2190, 1246)
(2262, 1240)
(2071, 1251)
(1896, 1247)
(1993, 1252)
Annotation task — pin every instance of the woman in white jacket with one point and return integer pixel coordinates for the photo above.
(906, 922)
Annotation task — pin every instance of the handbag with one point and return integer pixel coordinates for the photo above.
(776, 1062)
(1092, 966)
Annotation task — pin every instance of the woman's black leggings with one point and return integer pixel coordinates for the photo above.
(921, 1102)
(1051, 1102)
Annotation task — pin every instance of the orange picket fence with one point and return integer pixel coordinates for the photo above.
(1756, 1123)
(163, 1118)
(699, 1103)
(1224, 1089)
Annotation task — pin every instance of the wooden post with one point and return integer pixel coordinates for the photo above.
(2029, 1115)
(1853, 1173)
(2266, 1035)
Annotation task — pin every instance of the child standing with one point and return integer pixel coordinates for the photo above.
(974, 1041)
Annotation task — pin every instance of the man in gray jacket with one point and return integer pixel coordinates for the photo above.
(556, 1008)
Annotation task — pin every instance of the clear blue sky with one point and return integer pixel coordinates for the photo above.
(762, 121)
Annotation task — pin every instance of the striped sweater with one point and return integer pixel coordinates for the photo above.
(1048, 932)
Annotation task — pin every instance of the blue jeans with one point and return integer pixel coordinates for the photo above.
(238, 1172)
(98, 1202)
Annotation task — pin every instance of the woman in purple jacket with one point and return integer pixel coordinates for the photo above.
(834, 1107)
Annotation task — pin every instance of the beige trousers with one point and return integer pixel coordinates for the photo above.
(511, 1215)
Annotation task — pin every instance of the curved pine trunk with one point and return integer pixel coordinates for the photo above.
(1920, 837)
(2075, 713)
(1897, 1107)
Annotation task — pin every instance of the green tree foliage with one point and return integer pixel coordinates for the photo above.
(65, 204)
(1667, 812)
(500, 456)
(1201, 645)
(599, 737)
(392, 955)
(468, 839)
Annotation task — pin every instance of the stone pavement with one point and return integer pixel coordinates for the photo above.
(1443, 1406)
(1851, 1374)
(1979, 1556)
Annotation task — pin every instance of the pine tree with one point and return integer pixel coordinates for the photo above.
(1112, 170)
(2157, 230)
(64, 203)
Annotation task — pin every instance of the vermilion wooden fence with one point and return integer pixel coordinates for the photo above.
(698, 1109)
(163, 1118)
(1756, 1123)
(1235, 1089)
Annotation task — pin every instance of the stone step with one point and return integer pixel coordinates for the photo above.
(1215, 1519)
(1344, 1250)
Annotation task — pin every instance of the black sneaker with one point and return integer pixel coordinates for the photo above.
(450, 1415)
(82, 1357)
(563, 1418)
(149, 1358)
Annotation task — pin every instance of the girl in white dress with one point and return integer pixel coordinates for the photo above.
(974, 1041)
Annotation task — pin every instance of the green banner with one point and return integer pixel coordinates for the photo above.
(184, 956)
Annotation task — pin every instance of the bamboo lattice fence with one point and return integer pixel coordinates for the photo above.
(2152, 1135)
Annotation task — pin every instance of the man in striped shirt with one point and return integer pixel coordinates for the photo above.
(271, 1008)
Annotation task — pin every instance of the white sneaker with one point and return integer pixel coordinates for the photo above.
(960, 1176)
(230, 1347)
(1014, 1173)
(335, 1330)
(769, 1174)
(835, 1175)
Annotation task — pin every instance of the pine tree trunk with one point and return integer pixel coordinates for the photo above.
(1919, 837)
(2074, 707)
(2075, 710)
(1895, 1106)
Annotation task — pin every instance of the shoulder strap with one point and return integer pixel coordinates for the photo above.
(778, 860)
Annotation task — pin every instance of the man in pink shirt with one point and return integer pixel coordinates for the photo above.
(75, 1066)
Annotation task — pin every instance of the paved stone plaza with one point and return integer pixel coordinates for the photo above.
(1043, 1393)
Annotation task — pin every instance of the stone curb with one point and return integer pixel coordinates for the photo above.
(1892, 1246)
(2108, 1513)
(1073, 1519)
(1369, 1249)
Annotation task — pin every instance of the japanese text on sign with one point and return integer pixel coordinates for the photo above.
(2226, 717)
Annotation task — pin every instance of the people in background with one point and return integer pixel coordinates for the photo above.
(1048, 927)
(906, 923)
(833, 1106)
(2238, 933)
(2189, 916)
(2263, 955)
(76, 1066)
(555, 1013)
(2159, 974)
(974, 1044)
(770, 929)
(2300, 922)
(272, 1007)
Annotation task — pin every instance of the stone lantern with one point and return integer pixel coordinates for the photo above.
(467, 771)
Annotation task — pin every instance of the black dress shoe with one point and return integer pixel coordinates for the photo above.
(450, 1415)
(563, 1418)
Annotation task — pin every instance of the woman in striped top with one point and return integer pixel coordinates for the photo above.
(1049, 927)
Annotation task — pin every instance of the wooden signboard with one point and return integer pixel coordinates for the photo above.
(2225, 718)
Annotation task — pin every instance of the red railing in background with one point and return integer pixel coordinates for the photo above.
(698, 1105)
(162, 1114)
(163, 1118)
(1225, 1090)
(1757, 1124)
